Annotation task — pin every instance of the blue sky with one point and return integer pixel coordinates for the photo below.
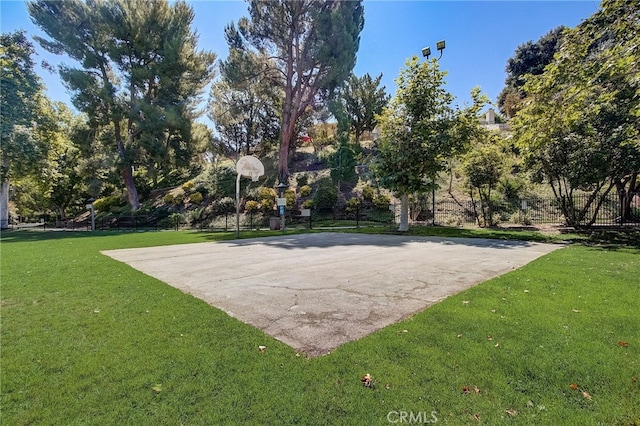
(480, 36)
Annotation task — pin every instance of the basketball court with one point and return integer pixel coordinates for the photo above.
(315, 292)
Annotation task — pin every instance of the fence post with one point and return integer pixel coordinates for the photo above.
(358, 216)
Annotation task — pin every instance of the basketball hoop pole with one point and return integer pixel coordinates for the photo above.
(238, 206)
(248, 166)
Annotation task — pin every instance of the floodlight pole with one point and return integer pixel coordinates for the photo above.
(238, 205)
(92, 210)
(426, 52)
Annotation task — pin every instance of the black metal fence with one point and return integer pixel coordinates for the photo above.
(615, 210)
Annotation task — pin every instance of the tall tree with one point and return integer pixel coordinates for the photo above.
(21, 97)
(363, 99)
(140, 73)
(421, 131)
(483, 166)
(580, 129)
(312, 44)
(529, 58)
(243, 106)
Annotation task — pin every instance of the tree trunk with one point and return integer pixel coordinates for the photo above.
(4, 204)
(132, 191)
(404, 213)
(4, 194)
(127, 171)
(288, 129)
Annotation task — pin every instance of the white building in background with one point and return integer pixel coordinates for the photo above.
(489, 122)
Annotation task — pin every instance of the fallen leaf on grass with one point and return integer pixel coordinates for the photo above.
(574, 386)
(511, 412)
(576, 311)
(262, 348)
(157, 388)
(466, 390)
(586, 395)
(623, 343)
(489, 337)
(476, 417)
(475, 388)
(367, 380)
(465, 302)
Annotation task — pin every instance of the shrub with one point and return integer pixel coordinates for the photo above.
(519, 218)
(196, 198)
(352, 204)
(307, 204)
(305, 190)
(106, 203)
(326, 196)
(382, 202)
(267, 204)
(266, 193)
(302, 179)
(188, 186)
(251, 206)
(178, 199)
(290, 196)
(224, 205)
(168, 198)
(368, 193)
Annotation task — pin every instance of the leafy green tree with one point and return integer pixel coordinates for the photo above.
(529, 58)
(242, 106)
(483, 167)
(313, 45)
(343, 164)
(140, 74)
(21, 98)
(421, 132)
(363, 100)
(580, 130)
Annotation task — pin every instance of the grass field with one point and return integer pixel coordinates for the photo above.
(88, 340)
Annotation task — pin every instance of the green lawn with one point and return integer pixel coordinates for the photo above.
(88, 340)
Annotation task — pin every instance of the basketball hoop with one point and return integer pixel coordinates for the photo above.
(250, 166)
(247, 166)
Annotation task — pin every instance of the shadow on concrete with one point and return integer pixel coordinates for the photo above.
(337, 239)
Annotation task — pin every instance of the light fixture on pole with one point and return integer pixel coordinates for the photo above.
(89, 205)
(248, 166)
(282, 202)
(426, 52)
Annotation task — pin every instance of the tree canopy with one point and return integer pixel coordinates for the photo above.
(420, 131)
(312, 47)
(579, 131)
(529, 59)
(21, 98)
(362, 99)
(140, 74)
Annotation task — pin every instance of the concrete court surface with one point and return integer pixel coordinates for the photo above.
(316, 292)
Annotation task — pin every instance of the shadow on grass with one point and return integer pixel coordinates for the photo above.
(605, 238)
(613, 239)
